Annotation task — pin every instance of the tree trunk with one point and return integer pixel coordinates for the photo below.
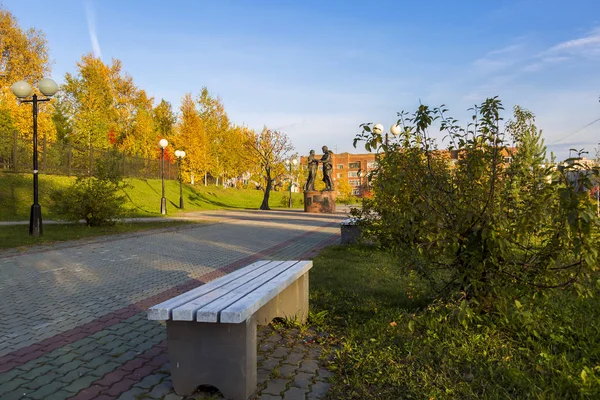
(265, 202)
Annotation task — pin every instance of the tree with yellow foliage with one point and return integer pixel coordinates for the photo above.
(23, 56)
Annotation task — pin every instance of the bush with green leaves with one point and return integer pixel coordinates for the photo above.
(97, 199)
(498, 215)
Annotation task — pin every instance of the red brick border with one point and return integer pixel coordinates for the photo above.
(31, 352)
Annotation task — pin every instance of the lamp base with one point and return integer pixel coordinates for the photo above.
(163, 206)
(35, 220)
(181, 207)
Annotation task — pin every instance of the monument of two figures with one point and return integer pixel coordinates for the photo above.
(315, 201)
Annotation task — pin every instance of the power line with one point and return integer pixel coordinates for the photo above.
(577, 131)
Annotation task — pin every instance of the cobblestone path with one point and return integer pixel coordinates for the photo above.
(74, 314)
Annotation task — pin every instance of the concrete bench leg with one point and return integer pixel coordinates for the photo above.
(291, 303)
(220, 355)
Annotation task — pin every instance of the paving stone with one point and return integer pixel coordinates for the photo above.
(37, 372)
(14, 395)
(161, 389)
(103, 369)
(324, 374)
(295, 394)
(119, 387)
(60, 395)
(150, 381)
(302, 380)
(318, 390)
(11, 385)
(275, 338)
(132, 394)
(294, 358)
(46, 390)
(309, 366)
(262, 375)
(275, 386)
(10, 375)
(270, 363)
(269, 397)
(280, 352)
(80, 383)
(287, 370)
(40, 381)
(63, 359)
(127, 356)
(98, 361)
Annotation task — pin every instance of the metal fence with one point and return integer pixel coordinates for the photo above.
(16, 155)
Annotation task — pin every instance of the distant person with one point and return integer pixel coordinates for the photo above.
(313, 165)
(327, 168)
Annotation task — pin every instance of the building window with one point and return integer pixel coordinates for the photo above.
(508, 159)
(356, 192)
(340, 166)
(372, 164)
(354, 182)
(352, 174)
(354, 165)
(339, 176)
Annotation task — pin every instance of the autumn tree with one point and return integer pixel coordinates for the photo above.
(91, 101)
(216, 127)
(164, 120)
(192, 138)
(268, 150)
(23, 56)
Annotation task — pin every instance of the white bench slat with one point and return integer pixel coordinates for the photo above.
(248, 305)
(210, 312)
(162, 311)
(187, 311)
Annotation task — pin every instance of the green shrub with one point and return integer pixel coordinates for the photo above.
(480, 223)
(96, 199)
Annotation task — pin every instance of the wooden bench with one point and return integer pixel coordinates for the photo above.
(211, 330)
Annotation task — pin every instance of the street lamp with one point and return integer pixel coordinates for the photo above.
(394, 130)
(180, 154)
(290, 163)
(163, 201)
(23, 90)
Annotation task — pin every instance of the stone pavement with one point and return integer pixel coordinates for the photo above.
(74, 315)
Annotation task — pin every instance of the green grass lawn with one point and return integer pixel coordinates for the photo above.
(391, 341)
(18, 235)
(143, 197)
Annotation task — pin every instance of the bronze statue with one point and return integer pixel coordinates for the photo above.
(313, 164)
(327, 168)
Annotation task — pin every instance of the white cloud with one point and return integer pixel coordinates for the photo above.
(90, 16)
(588, 45)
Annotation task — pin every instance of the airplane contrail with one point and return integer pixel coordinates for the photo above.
(89, 13)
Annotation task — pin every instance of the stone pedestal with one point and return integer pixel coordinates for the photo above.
(319, 202)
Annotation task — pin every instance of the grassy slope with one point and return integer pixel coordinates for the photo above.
(144, 197)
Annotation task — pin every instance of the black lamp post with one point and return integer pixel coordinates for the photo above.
(291, 162)
(23, 90)
(180, 154)
(163, 201)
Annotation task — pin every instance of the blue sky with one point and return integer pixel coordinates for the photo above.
(317, 69)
